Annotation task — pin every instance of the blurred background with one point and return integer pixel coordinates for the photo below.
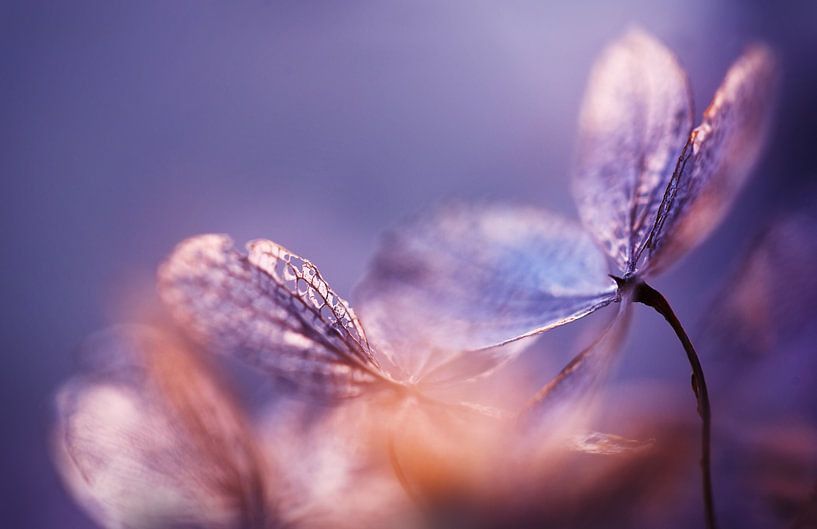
(130, 126)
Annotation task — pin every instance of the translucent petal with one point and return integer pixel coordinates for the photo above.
(472, 277)
(272, 309)
(471, 366)
(636, 117)
(150, 440)
(561, 402)
(717, 159)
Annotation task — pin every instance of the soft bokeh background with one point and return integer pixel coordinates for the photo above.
(127, 127)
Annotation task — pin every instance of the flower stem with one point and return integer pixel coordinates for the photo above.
(647, 295)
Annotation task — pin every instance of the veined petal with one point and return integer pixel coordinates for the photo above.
(273, 309)
(717, 159)
(473, 277)
(636, 117)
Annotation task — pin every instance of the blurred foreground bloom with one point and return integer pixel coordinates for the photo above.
(149, 439)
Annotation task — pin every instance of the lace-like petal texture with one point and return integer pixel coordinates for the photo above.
(272, 309)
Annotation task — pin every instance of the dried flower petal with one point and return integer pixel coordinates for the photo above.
(272, 309)
(561, 399)
(636, 117)
(717, 159)
(470, 278)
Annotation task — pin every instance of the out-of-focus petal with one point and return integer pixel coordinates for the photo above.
(717, 159)
(609, 444)
(448, 456)
(271, 308)
(476, 472)
(473, 277)
(645, 486)
(150, 440)
(635, 119)
(334, 466)
(772, 297)
(566, 397)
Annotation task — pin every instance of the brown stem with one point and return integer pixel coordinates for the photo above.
(643, 293)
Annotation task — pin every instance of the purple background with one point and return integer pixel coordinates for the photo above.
(318, 124)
